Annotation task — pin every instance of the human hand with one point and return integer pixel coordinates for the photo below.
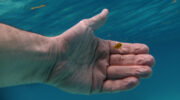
(87, 64)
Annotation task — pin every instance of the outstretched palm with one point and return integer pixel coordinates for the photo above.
(87, 64)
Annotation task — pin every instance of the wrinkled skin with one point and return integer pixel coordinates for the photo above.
(87, 64)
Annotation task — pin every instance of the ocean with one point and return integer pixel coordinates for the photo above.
(153, 22)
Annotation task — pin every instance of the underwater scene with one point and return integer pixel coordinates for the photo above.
(152, 22)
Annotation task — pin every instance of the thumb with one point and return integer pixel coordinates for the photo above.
(98, 20)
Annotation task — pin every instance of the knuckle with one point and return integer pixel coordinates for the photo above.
(84, 21)
(140, 60)
(110, 72)
(84, 25)
(145, 59)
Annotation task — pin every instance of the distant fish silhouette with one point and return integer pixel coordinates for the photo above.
(37, 7)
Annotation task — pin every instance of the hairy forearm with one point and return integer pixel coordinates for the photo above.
(25, 57)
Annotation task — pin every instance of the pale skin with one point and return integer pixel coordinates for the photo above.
(75, 61)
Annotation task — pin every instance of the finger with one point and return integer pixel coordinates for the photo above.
(98, 20)
(116, 72)
(128, 48)
(120, 84)
(131, 59)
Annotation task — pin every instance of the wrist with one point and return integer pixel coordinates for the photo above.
(25, 57)
(49, 52)
(57, 51)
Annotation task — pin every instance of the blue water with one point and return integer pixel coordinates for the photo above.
(154, 22)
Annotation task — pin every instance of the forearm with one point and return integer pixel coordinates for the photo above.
(25, 57)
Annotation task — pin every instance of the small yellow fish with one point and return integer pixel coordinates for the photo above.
(117, 46)
(37, 7)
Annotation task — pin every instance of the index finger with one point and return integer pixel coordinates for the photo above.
(127, 48)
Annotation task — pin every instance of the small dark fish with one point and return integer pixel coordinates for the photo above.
(118, 45)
